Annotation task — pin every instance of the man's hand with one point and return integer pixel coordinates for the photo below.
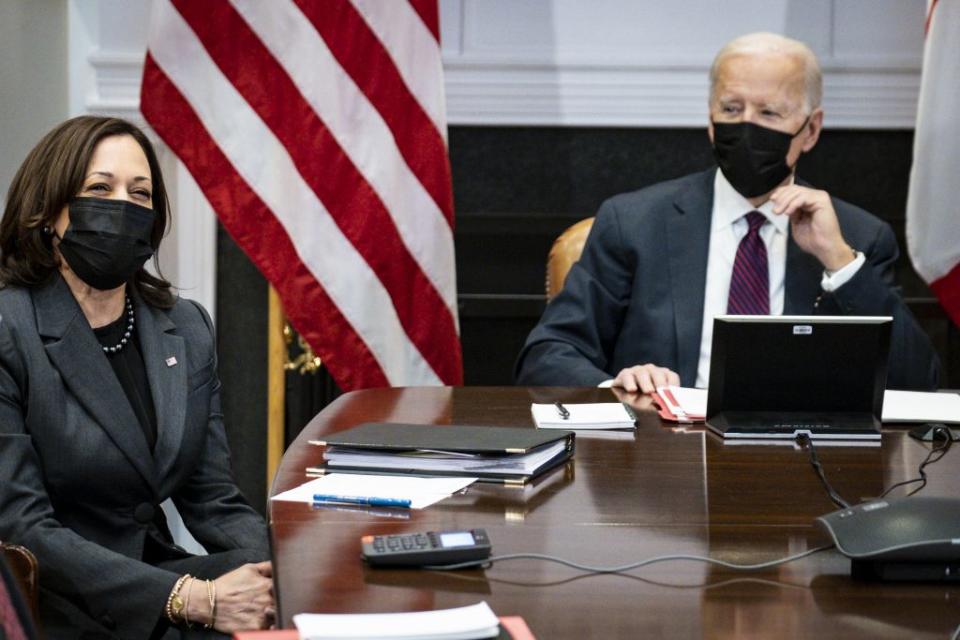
(645, 378)
(813, 224)
(639, 402)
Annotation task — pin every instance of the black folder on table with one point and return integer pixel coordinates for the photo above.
(494, 454)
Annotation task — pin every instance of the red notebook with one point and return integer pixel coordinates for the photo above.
(681, 404)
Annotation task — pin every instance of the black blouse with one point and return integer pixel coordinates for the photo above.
(132, 374)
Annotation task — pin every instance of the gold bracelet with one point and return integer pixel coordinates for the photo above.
(175, 603)
(212, 597)
(186, 605)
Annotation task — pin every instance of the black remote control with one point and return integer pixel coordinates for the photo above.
(428, 548)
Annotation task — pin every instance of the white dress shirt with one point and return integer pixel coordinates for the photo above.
(727, 228)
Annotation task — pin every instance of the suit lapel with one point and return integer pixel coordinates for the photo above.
(165, 359)
(75, 352)
(801, 284)
(688, 238)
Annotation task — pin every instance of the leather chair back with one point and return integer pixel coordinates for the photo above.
(26, 571)
(565, 251)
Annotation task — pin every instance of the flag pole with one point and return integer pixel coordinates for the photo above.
(276, 358)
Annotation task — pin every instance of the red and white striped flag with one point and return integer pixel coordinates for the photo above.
(317, 131)
(933, 209)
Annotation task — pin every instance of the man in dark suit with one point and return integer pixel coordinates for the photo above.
(662, 262)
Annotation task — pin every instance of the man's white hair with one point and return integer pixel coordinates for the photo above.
(764, 43)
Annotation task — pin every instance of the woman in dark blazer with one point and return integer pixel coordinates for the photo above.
(109, 405)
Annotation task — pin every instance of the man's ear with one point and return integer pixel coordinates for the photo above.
(812, 130)
(710, 130)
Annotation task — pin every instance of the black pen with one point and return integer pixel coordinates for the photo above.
(563, 411)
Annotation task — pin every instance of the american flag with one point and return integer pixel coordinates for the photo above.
(316, 130)
(933, 226)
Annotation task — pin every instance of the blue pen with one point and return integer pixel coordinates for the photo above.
(364, 500)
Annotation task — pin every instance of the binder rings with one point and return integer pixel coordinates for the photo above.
(493, 454)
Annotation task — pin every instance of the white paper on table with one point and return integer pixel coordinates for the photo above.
(589, 415)
(898, 406)
(474, 621)
(920, 406)
(421, 492)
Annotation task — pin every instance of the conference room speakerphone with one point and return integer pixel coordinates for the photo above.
(427, 548)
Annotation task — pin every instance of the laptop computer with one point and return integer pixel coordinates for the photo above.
(776, 377)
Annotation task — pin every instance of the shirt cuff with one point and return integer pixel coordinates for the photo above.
(832, 281)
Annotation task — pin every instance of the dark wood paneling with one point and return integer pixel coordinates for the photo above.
(500, 323)
(564, 170)
(242, 352)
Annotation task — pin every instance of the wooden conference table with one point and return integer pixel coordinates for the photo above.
(663, 490)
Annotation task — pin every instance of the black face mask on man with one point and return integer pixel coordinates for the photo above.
(107, 241)
(753, 158)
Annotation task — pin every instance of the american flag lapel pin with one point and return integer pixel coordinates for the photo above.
(171, 361)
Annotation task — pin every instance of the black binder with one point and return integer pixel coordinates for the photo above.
(488, 445)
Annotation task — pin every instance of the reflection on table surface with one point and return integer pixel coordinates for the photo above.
(666, 490)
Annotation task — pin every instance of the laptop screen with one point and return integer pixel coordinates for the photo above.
(799, 363)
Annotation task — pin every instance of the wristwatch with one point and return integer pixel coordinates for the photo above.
(176, 605)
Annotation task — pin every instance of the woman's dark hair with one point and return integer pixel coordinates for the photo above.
(51, 176)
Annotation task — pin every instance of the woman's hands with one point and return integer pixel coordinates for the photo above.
(244, 599)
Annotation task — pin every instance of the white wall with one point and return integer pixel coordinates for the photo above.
(645, 62)
(587, 62)
(33, 78)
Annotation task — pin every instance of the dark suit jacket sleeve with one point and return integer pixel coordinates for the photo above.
(573, 343)
(112, 588)
(871, 292)
(210, 503)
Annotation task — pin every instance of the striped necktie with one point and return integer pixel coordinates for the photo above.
(750, 281)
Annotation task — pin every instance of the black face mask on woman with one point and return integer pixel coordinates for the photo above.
(107, 241)
(753, 158)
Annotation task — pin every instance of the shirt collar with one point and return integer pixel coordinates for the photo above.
(729, 206)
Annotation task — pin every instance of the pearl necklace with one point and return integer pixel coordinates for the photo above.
(126, 334)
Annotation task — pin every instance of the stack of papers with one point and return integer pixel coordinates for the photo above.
(518, 464)
(492, 454)
(421, 492)
(595, 415)
(476, 621)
